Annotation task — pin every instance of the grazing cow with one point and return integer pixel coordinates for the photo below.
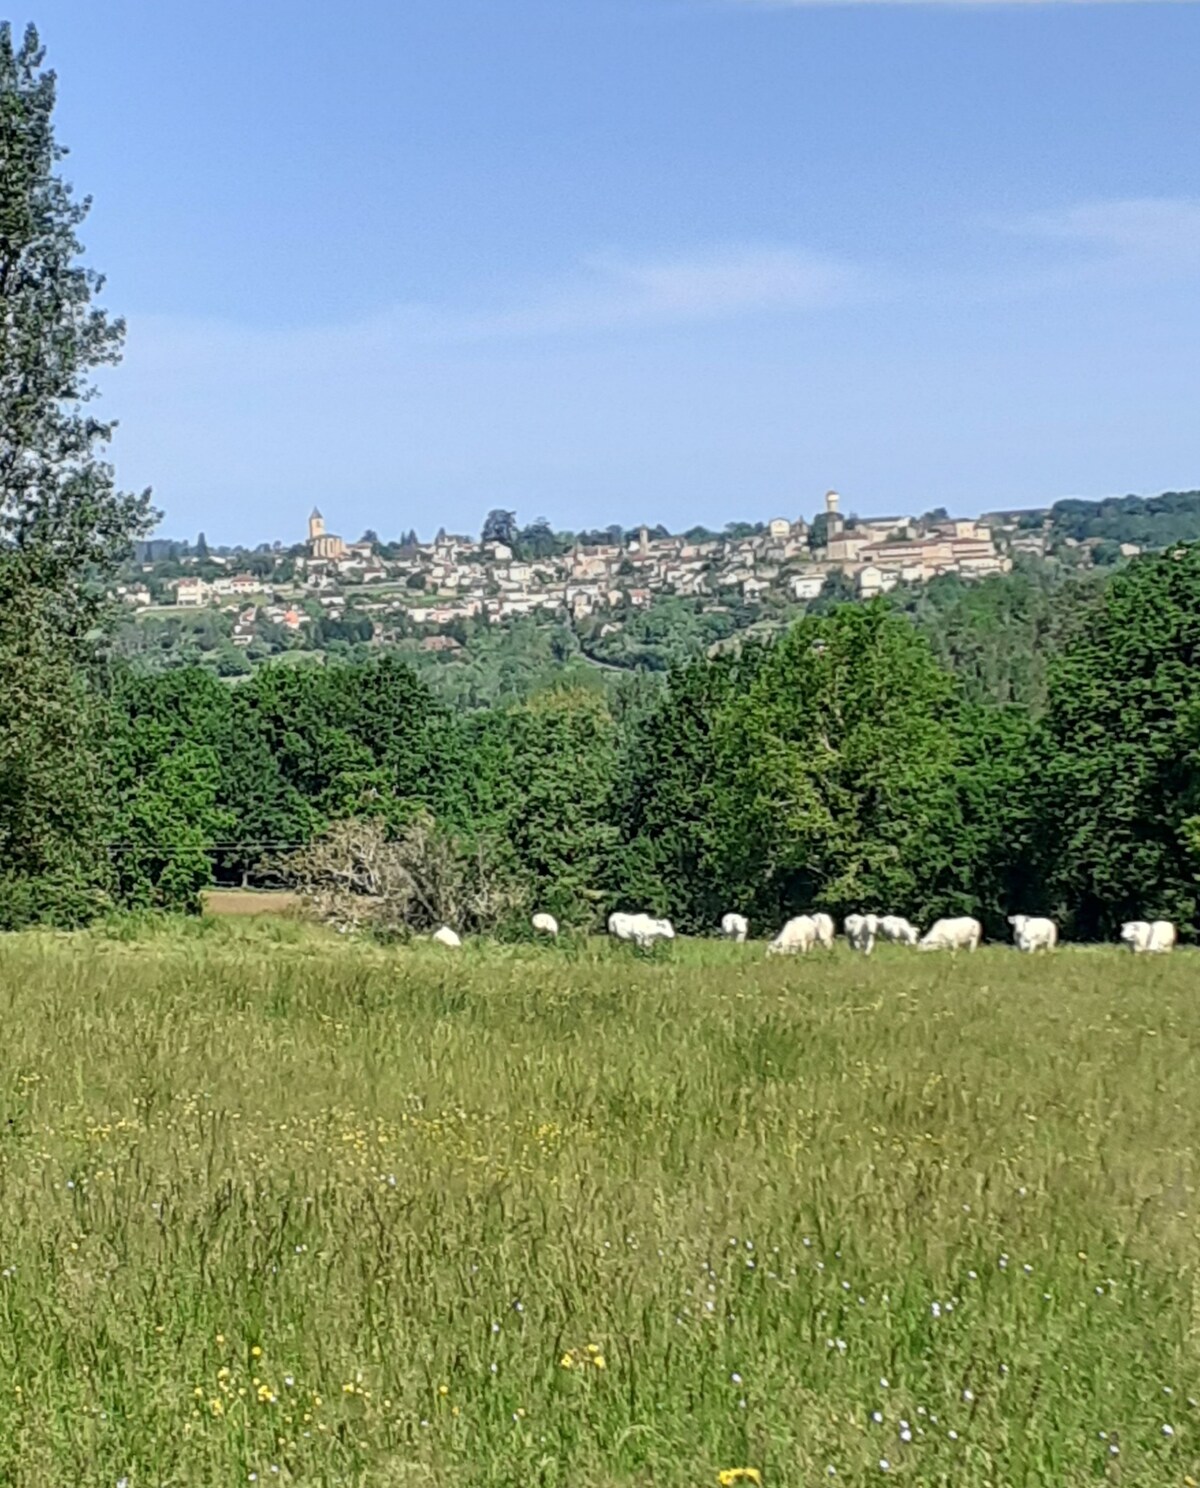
(446, 937)
(1156, 937)
(641, 929)
(825, 930)
(734, 927)
(620, 925)
(897, 929)
(1033, 934)
(545, 924)
(798, 935)
(656, 930)
(961, 934)
(861, 931)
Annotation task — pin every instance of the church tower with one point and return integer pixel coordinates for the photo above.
(833, 517)
(322, 544)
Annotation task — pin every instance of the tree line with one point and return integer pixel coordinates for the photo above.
(840, 766)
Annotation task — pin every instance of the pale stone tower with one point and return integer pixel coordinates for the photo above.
(316, 525)
(833, 517)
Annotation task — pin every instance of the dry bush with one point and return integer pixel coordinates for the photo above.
(358, 877)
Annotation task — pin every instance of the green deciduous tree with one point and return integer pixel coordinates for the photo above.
(559, 821)
(166, 774)
(1118, 775)
(673, 774)
(538, 777)
(840, 786)
(63, 523)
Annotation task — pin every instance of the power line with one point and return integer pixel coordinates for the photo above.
(216, 846)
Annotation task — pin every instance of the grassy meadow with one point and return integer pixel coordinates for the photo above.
(281, 1208)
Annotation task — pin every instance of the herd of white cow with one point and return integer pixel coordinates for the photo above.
(1030, 933)
(807, 932)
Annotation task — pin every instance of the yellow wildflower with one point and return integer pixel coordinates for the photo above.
(256, 1352)
(220, 1340)
(567, 1361)
(443, 1389)
(217, 1406)
(598, 1361)
(730, 1475)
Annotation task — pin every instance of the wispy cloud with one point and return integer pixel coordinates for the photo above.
(606, 292)
(611, 291)
(1152, 235)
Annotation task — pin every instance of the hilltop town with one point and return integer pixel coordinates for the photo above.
(410, 588)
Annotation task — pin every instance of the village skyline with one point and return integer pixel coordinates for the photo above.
(411, 529)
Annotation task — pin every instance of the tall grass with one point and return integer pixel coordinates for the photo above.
(327, 1214)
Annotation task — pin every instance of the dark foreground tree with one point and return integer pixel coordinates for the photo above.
(63, 523)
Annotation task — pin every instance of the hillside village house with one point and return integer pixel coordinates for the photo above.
(193, 592)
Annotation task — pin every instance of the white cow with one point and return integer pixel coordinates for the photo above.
(1033, 934)
(735, 927)
(545, 924)
(1156, 937)
(641, 929)
(656, 930)
(620, 925)
(961, 934)
(825, 930)
(861, 931)
(897, 929)
(798, 935)
(446, 937)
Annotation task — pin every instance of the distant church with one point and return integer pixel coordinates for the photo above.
(322, 544)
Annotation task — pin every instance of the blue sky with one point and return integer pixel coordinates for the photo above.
(622, 260)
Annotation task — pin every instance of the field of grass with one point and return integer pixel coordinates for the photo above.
(280, 1208)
